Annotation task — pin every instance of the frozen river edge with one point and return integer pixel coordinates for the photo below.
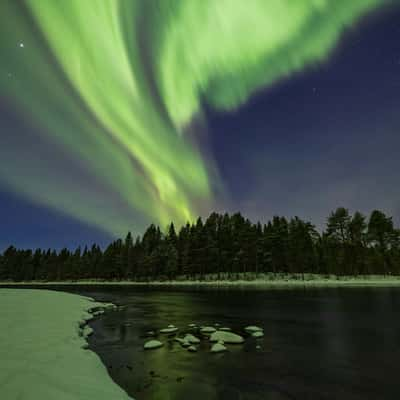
(246, 280)
(43, 348)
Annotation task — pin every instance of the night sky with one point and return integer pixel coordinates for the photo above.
(326, 136)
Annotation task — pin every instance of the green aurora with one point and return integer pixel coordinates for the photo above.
(117, 85)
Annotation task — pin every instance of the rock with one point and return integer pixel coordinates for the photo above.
(170, 329)
(258, 334)
(253, 328)
(207, 329)
(152, 344)
(218, 348)
(82, 323)
(225, 329)
(192, 348)
(226, 337)
(109, 306)
(183, 342)
(87, 331)
(87, 317)
(191, 339)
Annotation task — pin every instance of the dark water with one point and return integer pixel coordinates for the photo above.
(319, 344)
(328, 343)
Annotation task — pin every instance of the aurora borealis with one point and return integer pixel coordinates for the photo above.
(118, 87)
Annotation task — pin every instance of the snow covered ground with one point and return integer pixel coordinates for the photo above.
(42, 354)
(264, 280)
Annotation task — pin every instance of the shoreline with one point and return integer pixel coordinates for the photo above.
(276, 281)
(45, 354)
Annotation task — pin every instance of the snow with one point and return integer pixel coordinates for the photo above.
(42, 349)
(170, 329)
(191, 339)
(226, 337)
(152, 344)
(87, 331)
(207, 329)
(261, 280)
(218, 348)
(253, 328)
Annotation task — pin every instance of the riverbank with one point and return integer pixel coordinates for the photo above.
(42, 347)
(262, 280)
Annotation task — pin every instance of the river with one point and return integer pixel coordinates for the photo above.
(319, 343)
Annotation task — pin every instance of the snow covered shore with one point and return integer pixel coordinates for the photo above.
(42, 352)
(247, 279)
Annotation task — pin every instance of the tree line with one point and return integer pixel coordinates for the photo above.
(223, 244)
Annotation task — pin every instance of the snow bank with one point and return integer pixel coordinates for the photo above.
(261, 280)
(41, 349)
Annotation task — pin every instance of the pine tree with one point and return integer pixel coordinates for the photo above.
(380, 230)
(223, 244)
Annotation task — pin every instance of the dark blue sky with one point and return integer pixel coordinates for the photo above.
(325, 138)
